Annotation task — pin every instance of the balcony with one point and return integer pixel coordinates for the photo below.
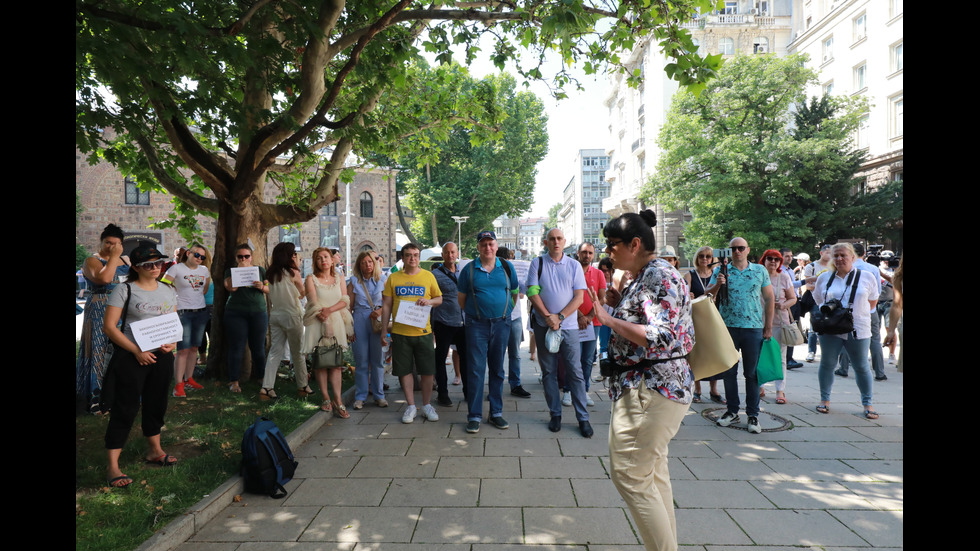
(745, 19)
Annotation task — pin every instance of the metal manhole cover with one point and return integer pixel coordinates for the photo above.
(770, 422)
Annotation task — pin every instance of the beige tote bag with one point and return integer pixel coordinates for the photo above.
(714, 350)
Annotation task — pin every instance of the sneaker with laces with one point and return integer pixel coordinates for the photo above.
(473, 426)
(520, 392)
(429, 413)
(358, 404)
(588, 400)
(809, 356)
(754, 426)
(381, 403)
(190, 382)
(566, 400)
(179, 391)
(410, 413)
(727, 419)
(499, 422)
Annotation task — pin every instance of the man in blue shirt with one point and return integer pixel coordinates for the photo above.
(556, 287)
(749, 323)
(447, 323)
(487, 293)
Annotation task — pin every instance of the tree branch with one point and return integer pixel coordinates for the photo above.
(175, 188)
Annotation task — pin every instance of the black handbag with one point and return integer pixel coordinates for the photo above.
(327, 356)
(832, 318)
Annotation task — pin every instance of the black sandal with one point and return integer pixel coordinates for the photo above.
(268, 394)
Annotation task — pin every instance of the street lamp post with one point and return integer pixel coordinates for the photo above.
(459, 224)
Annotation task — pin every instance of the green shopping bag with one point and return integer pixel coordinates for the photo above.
(770, 366)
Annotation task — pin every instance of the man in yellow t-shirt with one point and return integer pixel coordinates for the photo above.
(411, 338)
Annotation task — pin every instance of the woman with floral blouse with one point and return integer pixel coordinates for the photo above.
(652, 385)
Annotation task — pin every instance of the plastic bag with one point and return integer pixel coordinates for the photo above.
(770, 366)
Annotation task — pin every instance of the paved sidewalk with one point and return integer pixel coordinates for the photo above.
(832, 482)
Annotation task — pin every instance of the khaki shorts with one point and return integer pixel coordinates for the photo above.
(405, 350)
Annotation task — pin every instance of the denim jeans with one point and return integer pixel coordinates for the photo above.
(514, 353)
(588, 358)
(877, 354)
(243, 327)
(857, 349)
(749, 342)
(367, 358)
(486, 345)
(193, 323)
(571, 352)
(604, 334)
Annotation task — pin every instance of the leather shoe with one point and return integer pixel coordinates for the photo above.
(840, 373)
(444, 400)
(793, 365)
(586, 429)
(555, 424)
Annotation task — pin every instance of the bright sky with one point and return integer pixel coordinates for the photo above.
(577, 122)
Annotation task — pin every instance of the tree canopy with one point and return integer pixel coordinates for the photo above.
(481, 178)
(743, 164)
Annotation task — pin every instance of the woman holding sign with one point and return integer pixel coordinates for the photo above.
(329, 327)
(246, 317)
(136, 376)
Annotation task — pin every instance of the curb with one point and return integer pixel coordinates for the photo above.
(183, 528)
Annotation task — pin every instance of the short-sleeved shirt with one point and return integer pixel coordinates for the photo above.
(558, 282)
(744, 306)
(246, 299)
(448, 313)
(189, 285)
(490, 294)
(866, 267)
(840, 290)
(401, 286)
(595, 280)
(143, 304)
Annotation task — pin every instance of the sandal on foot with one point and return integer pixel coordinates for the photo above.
(716, 398)
(165, 460)
(870, 414)
(268, 394)
(762, 392)
(326, 406)
(823, 409)
(116, 482)
(341, 412)
(697, 398)
(780, 397)
(305, 391)
(234, 387)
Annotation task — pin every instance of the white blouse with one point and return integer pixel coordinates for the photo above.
(839, 290)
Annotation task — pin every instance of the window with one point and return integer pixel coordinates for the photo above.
(897, 7)
(898, 57)
(760, 45)
(861, 77)
(860, 27)
(897, 116)
(828, 89)
(828, 49)
(762, 7)
(330, 209)
(863, 130)
(135, 196)
(726, 46)
(367, 205)
(731, 7)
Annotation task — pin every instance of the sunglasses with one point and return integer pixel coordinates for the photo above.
(198, 256)
(244, 256)
(151, 264)
(740, 248)
(612, 243)
(773, 259)
(708, 256)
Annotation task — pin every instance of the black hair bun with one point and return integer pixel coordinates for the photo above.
(649, 217)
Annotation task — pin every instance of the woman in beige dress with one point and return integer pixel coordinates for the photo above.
(328, 321)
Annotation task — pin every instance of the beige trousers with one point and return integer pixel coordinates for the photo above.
(643, 422)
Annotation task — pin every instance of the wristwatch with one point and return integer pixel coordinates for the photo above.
(561, 317)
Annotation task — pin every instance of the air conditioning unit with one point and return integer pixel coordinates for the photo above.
(762, 49)
(754, 11)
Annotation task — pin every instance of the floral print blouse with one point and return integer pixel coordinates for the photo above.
(658, 299)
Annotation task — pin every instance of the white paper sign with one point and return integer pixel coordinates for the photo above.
(412, 314)
(244, 277)
(153, 333)
(587, 334)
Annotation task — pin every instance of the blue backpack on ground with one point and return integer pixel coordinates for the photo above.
(267, 461)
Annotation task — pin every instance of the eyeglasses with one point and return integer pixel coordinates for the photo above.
(708, 256)
(740, 248)
(773, 259)
(198, 256)
(611, 243)
(151, 264)
(244, 256)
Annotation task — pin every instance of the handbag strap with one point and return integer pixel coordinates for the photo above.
(366, 293)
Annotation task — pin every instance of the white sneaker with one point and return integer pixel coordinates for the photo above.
(588, 400)
(409, 415)
(891, 359)
(809, 356)
(566, 399)
(753, 425)
(429, 412)
(358, 404)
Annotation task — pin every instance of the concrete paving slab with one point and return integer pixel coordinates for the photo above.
(484, 467)
(715, 494)
(544, 492)
(396, 430)
(878, 528)
(316, 448)
(707, 526)
(596, 492)
(826, 450)
(881, 495)
(446, 447)
(562, 467)
(815, 470)
(433, 492)
(577, 525)
(486, 431)
(258, 523)
(395, 467)
(728, 469)
(882, 450)
(470, 525)
(363, 524)
(748, 450)
(343, 491)
(811, 495)
(576, 446)
(324, 467)
(524, 448)
(885, 471)
(794, 527)
(692, 448)
(374, 447)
